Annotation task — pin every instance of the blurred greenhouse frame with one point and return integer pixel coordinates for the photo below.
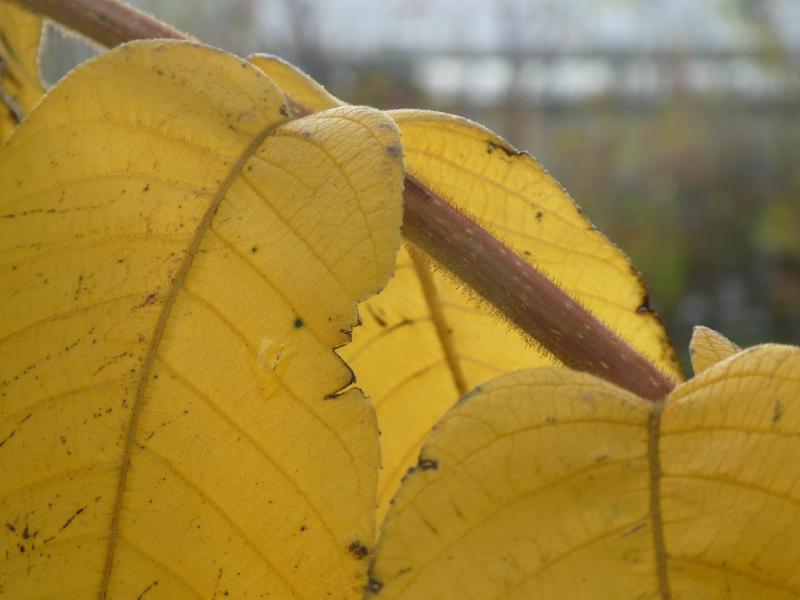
(675, 124)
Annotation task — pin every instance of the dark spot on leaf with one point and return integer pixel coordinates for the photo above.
(254, 249)
(283, 110)
(644, 307)
(358, 550)
(394, 151)
(373, 586)
(146, 187)
(69, 521)
(298, 323)
(8, 437)
(776, 416)
(151, 297)
(539, 215)
(492, 146)
(427, 464)
(11, 528)
(147, 589)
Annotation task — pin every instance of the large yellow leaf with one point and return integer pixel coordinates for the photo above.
(549, 483)
(177, 263)
(20, 87)
(423, 342)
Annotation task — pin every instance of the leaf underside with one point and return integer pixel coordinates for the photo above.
(423, 341)
(708, 347)
(177, 263)
(549, 483)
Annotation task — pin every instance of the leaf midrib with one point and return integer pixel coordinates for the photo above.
(656, 520)
(152, 350)
(443, 332)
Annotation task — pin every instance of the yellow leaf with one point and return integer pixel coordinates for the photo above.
(178, 262)
(20, 87)
(708, 347)
(549, 483)
(423, 343)
(297, 85)
(452, 345)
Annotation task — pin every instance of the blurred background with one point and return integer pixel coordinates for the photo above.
(675, 124)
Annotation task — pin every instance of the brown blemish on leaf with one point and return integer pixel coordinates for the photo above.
(68, 522)
(147, 589)
(373, 586)
(427, 464)
(510, 152)
(778, 413)
(151, 297)
(358, 550)
(394, 151)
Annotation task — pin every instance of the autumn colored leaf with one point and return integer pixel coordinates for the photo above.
(309, 95)
(179, 261)
(708, 347)
(423, 342)
(549, 483)
(20, 87)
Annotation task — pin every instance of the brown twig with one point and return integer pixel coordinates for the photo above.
(526, 297)
(107, 22)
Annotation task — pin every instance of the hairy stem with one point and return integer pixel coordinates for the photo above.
(523, 295)
(516, 289)
(107, 22)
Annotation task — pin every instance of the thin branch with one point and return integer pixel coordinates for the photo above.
(516, 289)
(523, 295)
(107, 22)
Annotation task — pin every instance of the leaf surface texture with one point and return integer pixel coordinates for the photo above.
(549, 483)
(423, 341)
(708, 347)
(179, 262)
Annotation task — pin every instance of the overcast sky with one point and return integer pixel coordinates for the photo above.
(430, 25)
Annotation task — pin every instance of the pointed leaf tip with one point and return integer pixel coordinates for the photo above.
(708, 347)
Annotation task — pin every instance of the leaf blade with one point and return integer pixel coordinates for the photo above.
(692, 497)
(423, 343)
(484, 518)
(730, 478)
(20, 87)
(227, 457)
(708, 347)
